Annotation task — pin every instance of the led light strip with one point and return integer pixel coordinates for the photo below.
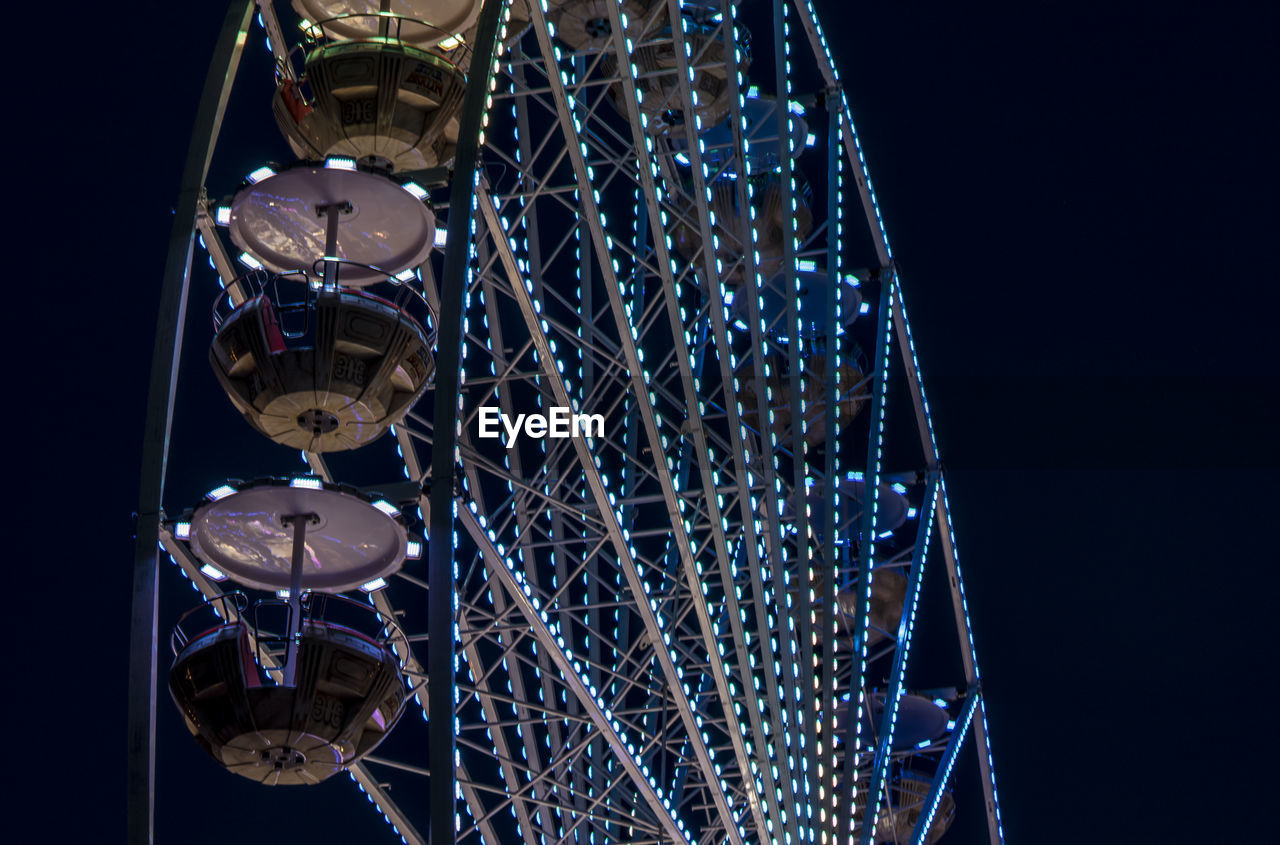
(893, 696)
(494, 342)
(664, 476)
(984, 736)
(666, 657)
(792, 641)
(825, 663)
(766, 540)
(525, 820)
(490, 74)
(969, 655)
(915, 384)
(528, 222)
(920, 835)
(275, 37)
(870, 513)
(548, 635)
(694, 407)
(591, 638)
(206, 225)
(585, 368)
(821, 51)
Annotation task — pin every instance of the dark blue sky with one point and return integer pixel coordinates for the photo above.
(1081, 197)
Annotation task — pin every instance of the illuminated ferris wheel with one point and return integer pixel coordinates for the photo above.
(602, 494)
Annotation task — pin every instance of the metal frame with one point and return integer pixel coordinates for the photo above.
(632, 640)
(143, 640)
(441, 600)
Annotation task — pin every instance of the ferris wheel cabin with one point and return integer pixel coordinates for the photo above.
(308, 357)
(295, 688)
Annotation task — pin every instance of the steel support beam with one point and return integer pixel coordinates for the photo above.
(693, 403)
(867, 532)
(570, 672)
(901, 656)
(601, 244)
(275, 36)
(441, 602)
(767, 456)
(830, 557)
(601, 496)
(826, 65)
(920, 835)
(140, 783)
(915, 385)
(968, 656)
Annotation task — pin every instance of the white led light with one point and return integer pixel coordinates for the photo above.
(213, 574)
(406, 275)
(442, 236)
(415, 190)
(375, 584)
(258, 175)
(413, 550)
(386, 507)
(182, 530)
(282, 594)
(249, 261)
(222, 215)
(305, 483)
(220, 493)
(864, 308)
(340, 163)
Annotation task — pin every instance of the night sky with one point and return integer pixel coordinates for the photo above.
(1081, 198)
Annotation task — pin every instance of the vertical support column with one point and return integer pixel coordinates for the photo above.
(299, 523)
(920, 835)
(968, 656)
(140, 783)
(441, 604)
(331, 213)
(830, 560)
(384, 20)
(880, 772)
(870, 497)
(786, 634)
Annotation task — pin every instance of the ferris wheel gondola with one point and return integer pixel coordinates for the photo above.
(294, 689)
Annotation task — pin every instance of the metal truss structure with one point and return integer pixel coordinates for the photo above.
(664, 630)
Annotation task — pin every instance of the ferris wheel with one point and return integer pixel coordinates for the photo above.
(602, 500)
